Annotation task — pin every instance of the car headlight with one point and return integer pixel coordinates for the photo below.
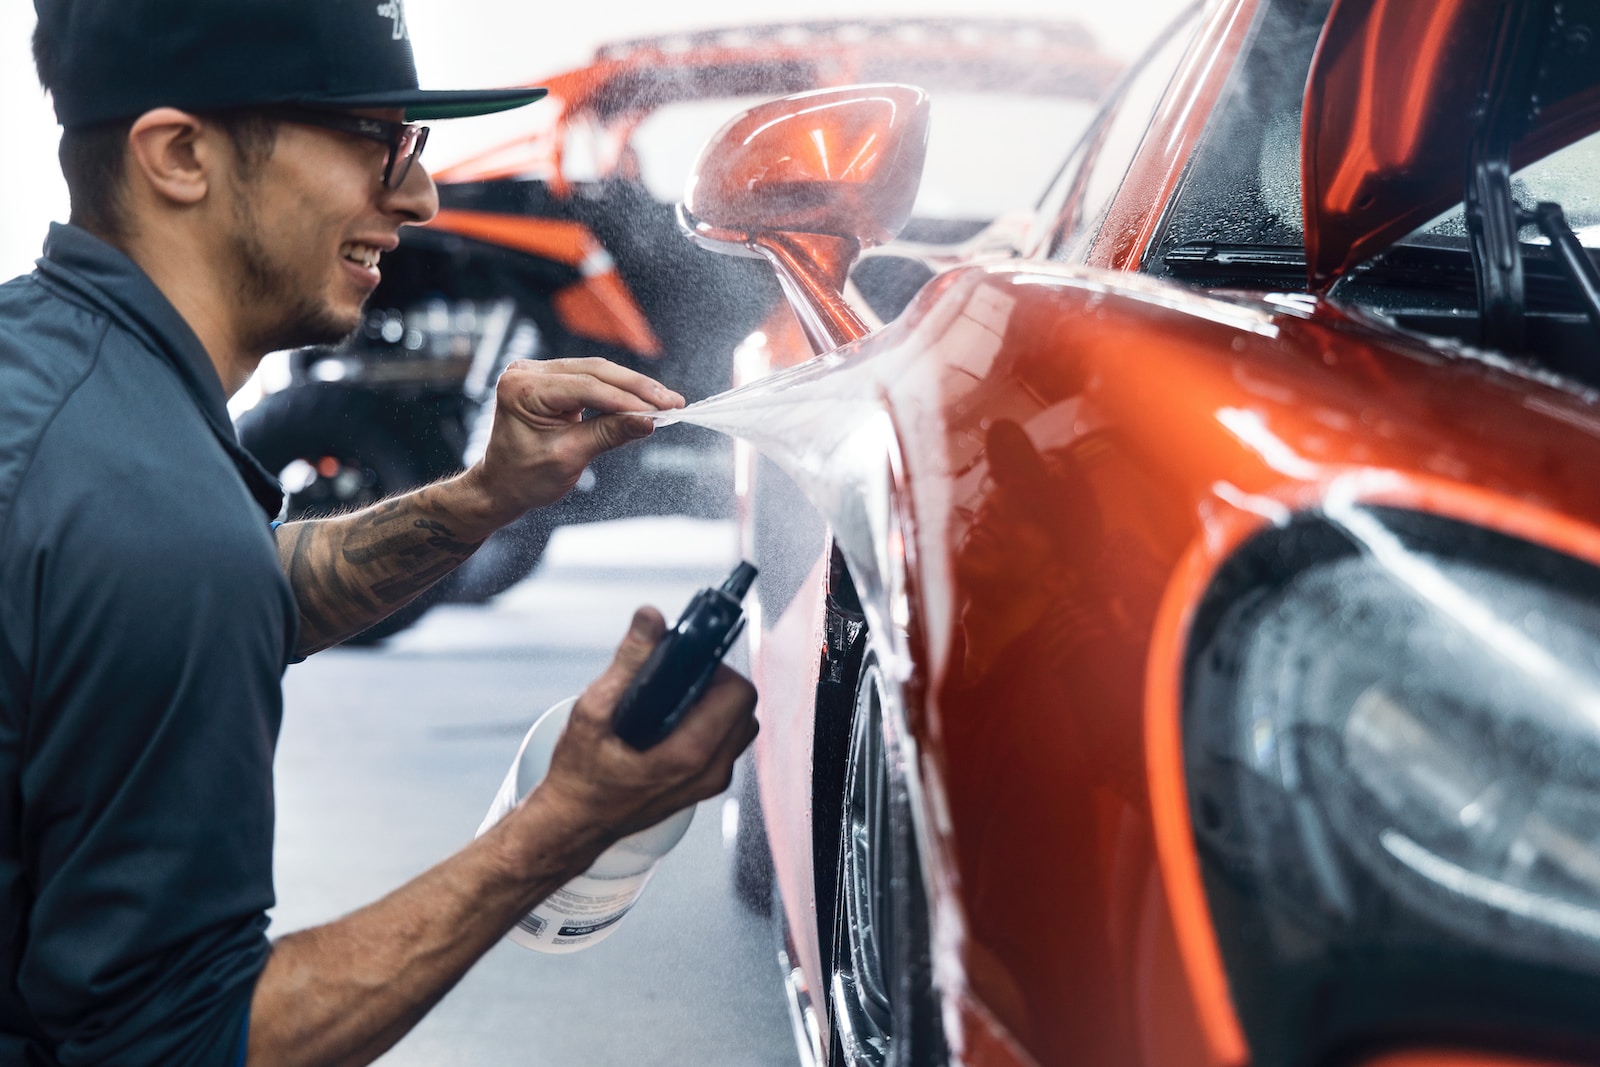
(1392, 748)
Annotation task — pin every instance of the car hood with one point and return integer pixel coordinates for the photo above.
(1390, 109)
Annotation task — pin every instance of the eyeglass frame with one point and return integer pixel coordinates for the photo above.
(392, 135)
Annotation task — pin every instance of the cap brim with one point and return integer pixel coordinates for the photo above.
(422, 104)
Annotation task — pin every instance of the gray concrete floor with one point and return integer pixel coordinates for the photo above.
(389, 758)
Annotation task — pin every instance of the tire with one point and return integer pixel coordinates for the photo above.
(883, 1010)
(355, 447)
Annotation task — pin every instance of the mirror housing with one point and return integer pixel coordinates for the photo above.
(807, 182)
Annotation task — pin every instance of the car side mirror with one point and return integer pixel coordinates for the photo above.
(807, 182)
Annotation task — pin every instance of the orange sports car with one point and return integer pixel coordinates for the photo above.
(1179, 624)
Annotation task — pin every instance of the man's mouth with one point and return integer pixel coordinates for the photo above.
(365, 255)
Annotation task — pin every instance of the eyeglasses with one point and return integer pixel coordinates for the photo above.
(404, 140)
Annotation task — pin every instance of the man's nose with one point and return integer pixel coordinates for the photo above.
(417, 199)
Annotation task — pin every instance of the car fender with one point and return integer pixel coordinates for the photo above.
(1054, 837)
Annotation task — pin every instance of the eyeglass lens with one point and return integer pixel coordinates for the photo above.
(403, 151)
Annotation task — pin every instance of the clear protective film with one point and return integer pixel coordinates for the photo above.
(826, 425)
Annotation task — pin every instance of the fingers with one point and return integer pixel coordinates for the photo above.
(626, 789)
(719, 727)
(719, 772)
(559, 389)
(606, 432)
(728, 701)
(618, 377)
(644, 632)
(540, 443)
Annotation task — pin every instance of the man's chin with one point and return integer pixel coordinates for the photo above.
(309, 329)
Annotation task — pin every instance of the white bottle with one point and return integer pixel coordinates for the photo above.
(585, 910)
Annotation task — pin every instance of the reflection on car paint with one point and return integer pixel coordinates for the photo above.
(1067, 463)
(1226, 614)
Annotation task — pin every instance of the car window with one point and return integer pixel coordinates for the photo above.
(1243, 187)
(1570, 177)
(1072, 209)
(988, 153)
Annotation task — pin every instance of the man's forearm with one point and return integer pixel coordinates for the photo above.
(349, 571)
(345, 992)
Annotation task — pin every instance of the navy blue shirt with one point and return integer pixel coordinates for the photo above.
(144, 628)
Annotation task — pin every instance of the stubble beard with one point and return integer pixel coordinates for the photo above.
(300, 319)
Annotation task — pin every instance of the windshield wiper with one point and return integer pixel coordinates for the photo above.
(1221, 264)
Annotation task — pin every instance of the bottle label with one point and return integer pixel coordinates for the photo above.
(581, 912)
(586, 909)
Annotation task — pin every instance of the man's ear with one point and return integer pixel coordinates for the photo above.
(173, 154)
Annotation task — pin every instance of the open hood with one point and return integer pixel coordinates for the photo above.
(1399, 94)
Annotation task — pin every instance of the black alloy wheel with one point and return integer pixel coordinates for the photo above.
(882, 1006)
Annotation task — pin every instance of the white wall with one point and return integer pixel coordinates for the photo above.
(477, 43)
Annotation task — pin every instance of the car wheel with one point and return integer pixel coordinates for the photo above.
(336, 449)
(881, 1002)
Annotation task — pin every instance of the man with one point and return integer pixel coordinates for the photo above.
(237, 170)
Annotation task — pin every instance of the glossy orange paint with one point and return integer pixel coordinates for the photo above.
(1458, 1058)
(1389, 115)
(807, 182)
(1373, 112)
(1018, 1003)
(1160, 430)
(1080, 451)
(839, 162)
(599, 305)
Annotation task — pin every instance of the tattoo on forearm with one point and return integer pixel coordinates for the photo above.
(350, 571)
(403, 587)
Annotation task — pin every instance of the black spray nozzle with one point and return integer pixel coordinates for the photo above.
(738, 583)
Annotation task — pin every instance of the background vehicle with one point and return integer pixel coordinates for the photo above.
(1194, 659)
(561, 242)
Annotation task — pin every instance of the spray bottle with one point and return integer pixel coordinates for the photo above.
(675, 675)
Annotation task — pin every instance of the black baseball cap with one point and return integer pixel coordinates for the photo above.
(114, 59)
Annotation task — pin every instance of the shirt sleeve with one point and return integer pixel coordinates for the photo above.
(243, 1050)
(157, 621)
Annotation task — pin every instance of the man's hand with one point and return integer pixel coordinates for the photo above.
(349, 571)
(598, 779)
(540, 442)
(345, 992)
